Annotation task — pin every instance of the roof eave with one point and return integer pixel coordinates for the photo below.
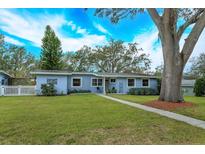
(6, 73)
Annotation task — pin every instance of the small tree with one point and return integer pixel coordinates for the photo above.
(51, 55)
(199, 87)
(48, 89)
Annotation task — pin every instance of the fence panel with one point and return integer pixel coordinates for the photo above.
(17, 90)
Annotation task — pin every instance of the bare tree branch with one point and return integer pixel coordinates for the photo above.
(155, 16)
(192, 20)
(193, 37)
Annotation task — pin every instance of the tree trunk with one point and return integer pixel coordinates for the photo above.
(171, 83)
(174, 60)
(172, 73)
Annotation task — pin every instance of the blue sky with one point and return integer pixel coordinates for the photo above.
(75, 28)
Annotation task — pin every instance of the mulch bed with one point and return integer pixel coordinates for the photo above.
(168, 105)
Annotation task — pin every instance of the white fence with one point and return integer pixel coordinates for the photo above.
(17, 90)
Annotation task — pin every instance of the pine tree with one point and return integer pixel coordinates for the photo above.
(51, 52)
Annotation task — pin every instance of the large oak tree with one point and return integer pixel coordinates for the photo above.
(114, 57)
(170, 34)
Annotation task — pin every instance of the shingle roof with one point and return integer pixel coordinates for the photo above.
(67, 72)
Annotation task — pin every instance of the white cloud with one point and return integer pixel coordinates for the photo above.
(77, 29)
(72, 25)
(28, 27)
(13, 41)
(81, 31)
(73, 44)
(32, 28)
(101, 28)
(147, 41)
(198, 49)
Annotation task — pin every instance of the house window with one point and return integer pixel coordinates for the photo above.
(97, 82)
(112, 80)
(76, 82)
(131, 82)
(94, 82)
(2, 82)
(52, 81)
(145, 82)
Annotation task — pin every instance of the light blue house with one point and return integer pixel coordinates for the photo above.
(4, 78)
(65, 81)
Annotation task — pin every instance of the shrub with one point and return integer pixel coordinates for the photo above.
(199, 87)
(48, 89)
(113, 90)
(142, 91)
(78, 91)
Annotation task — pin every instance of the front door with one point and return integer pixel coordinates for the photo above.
(120, 87)
(106, 84)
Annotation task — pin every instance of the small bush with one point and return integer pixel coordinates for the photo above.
(113, 90)
(78, 91)
(142, 91)
(199, 87)
(48, 89)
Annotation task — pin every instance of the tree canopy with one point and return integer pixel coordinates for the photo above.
(198, 66)
(15, 60)
(113, 57)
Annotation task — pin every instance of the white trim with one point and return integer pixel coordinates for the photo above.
(148, 83)
(94, 74)
(50, 73)
(134, 83)
(91, 84)
(130, 76)
(113, 82)
(63, 73)
(81, 79)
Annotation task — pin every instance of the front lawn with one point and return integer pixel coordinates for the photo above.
(87, 119)
(197, 111)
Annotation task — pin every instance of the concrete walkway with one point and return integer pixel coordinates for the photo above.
(179, 117)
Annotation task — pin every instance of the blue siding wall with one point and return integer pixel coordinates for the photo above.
(86, 83)
(153, 84)
(122, 84)
(61, 85)
(5, 78)
(65, 83)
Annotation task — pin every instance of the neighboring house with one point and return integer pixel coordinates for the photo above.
(4, 78)
(188, 87)
(65, 81)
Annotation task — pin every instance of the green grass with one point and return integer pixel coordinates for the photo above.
(87, 119)
(198, 111)
(134, 98)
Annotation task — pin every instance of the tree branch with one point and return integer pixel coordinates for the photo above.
(192, 20)
(192, 39)
(155, 16)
